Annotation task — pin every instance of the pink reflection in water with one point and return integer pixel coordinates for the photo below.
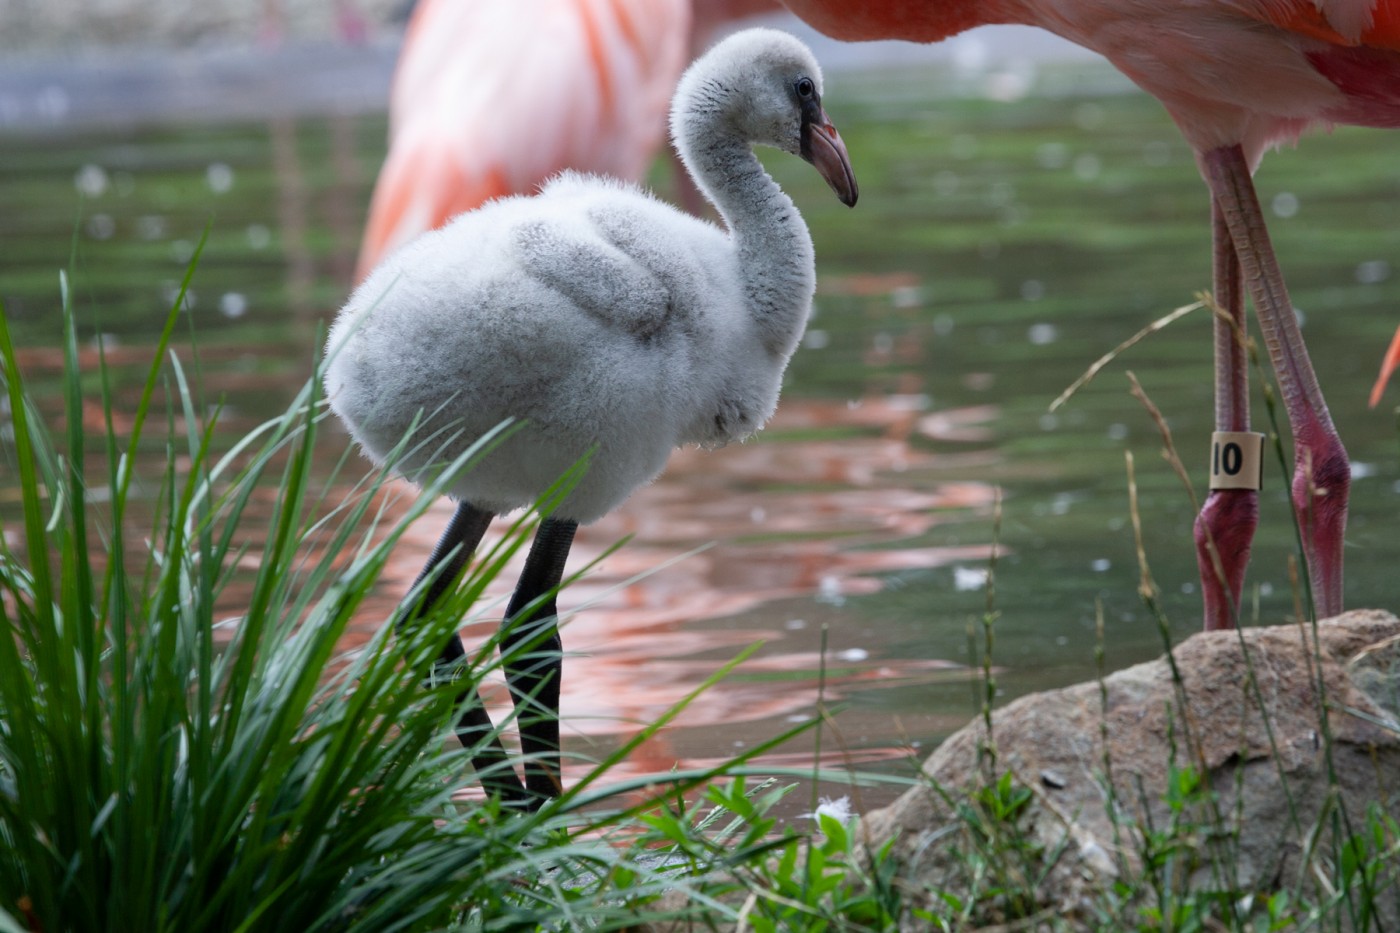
(790, 518)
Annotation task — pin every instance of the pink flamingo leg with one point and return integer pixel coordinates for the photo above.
(1225, 527)
(1322, 474)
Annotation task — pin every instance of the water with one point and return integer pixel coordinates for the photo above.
(998, 250)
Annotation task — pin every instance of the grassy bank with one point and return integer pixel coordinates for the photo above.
(164, 767)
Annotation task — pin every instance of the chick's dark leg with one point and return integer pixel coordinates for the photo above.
(474, 727)
(531, 649)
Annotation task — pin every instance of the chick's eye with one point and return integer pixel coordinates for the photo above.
(806, 90)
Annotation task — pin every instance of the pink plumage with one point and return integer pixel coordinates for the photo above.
(494, 98)
(491, 99)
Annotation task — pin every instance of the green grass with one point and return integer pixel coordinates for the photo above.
(164, 768)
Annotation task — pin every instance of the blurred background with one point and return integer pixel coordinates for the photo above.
(1023, 210)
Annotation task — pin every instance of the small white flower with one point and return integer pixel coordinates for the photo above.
(839, 809)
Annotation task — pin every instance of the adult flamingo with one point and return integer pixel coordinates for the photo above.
(491, 99)
(1237, 76)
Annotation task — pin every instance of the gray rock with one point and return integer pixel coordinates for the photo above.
(1247, 716)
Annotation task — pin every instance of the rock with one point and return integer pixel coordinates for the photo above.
(1247, 717)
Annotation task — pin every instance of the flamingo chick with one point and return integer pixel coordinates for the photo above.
(609, 325)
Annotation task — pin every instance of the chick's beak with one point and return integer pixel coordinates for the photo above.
(822, 146)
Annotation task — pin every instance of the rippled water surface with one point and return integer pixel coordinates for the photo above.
(998, 250)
